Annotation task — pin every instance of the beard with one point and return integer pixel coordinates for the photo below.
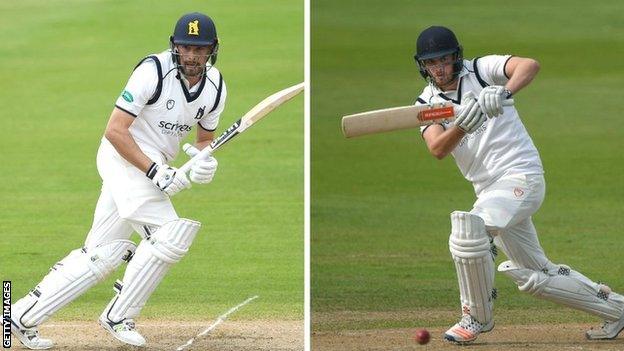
(193, 69)
(443, 80)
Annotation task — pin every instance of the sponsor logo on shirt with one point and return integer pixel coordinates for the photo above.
(127, 96)
(476, 133)
(177, 129)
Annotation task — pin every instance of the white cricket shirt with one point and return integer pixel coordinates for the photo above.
(165, 109)
(501, 146)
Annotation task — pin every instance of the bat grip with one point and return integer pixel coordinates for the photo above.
(508, 102)
(204, 153)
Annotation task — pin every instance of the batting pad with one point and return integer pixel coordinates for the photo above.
(70, 278)
(470, 247)
(148, 267)
(569, 288)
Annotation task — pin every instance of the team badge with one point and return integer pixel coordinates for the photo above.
(170, 104)
(518, 192)
(200, 112)
(193, 27)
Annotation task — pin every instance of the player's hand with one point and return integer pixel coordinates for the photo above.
(204, 170)
(470, 117)
(168, 179)
(492, 99)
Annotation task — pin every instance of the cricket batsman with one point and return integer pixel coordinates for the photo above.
(496, 154)
(166, 96)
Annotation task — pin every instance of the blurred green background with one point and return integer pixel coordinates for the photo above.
(381, 204)
(64, 63)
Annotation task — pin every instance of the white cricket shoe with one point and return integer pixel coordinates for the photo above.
(467, 330)
(29, 337)
(608, 330)
(124, 331)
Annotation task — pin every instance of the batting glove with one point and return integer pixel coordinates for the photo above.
(470, 116)
(493, 98)
(168, 179)
(204, 170)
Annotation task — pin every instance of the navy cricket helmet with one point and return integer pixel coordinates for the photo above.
(195, 29)
(438, 41)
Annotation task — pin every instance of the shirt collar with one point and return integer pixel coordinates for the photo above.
(464, 71)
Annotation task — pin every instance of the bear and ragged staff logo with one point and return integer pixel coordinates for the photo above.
(193, 27)
(200, 112)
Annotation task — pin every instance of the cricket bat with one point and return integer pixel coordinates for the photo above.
(397, 118)
(250, 118)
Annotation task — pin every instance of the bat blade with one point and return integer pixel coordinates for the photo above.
(262, 109)
(396, 118)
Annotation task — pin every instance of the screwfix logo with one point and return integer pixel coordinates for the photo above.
(6, 314)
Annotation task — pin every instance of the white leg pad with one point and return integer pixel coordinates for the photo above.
(70, 278)
(471, 250)
(151, 262)
(567, 287)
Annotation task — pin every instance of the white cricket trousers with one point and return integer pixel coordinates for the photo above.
(506, 207)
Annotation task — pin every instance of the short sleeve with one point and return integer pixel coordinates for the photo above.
(491, 68)
(210, 121)
(139, 89)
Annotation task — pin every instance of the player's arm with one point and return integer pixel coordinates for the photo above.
(440, 141)
(204, 138)
(515, 74)
(521, 72)
(166, 178)
(118, 133)
(470, 117)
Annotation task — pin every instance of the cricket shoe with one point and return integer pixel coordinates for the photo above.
(124, 331)
(29, 337)
(608, 330)
(467, 330)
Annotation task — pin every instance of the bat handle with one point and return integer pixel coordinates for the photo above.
(508, 102)
(207, 151)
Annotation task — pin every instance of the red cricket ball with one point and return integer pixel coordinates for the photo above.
(422, 336)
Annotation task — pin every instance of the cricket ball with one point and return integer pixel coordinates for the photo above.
(422, 336)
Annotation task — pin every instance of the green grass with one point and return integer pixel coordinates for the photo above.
(380, 204)
(65, 62)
